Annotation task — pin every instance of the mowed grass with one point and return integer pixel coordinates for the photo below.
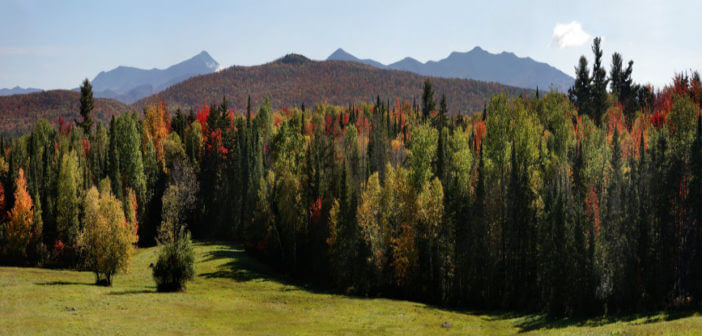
(235, 295)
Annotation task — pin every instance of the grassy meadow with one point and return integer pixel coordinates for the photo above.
(235, 295)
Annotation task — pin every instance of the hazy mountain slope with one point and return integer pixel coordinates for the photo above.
(505, 68)
(17, 90)
(129, 84)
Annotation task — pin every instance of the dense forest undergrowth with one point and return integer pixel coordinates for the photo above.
(571, 205)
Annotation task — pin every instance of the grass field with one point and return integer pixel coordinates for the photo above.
(234, 295)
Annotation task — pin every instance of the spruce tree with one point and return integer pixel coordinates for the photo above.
(579, 93)
(86, 106)
(599, 84)
(428, 102)
(695, 199)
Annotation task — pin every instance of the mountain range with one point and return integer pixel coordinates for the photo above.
(505, 68)
(17, 90)
(128, 84)
(291, 80)
(294, 79)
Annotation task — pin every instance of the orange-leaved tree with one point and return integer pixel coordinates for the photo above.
(19, 228)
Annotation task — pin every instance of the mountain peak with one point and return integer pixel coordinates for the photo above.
(205, 59)
(341, 55)
(408, 59)
(339, 51)
(128, 84)
(293, 59)
(204, 55)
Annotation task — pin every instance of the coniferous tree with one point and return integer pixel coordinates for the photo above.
(695, 199)
(599, 84)
(580, 92)
(428, 102)
(86, 106)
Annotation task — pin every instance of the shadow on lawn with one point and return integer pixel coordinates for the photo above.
(240, 266)
(64, 283)
(542, 321)
(134, 291)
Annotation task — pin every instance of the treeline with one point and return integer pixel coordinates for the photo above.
(580, 204)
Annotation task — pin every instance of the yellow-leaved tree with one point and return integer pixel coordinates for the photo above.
(107, 236)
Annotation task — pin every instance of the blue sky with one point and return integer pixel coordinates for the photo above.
(55, 44)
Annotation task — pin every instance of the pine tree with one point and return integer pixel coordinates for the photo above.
(579, 93)
(599, 84)
(428, 102)
(695, 199)
(554, 246)
(86, 106)
(478, 267)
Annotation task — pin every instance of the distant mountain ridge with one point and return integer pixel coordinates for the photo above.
(505, 68)
(294, 79)
(17, 90)
(129, 84)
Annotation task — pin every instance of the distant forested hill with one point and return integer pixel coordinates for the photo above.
(19, 112)
(294, 80)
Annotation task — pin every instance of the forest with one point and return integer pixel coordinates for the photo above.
(572, 204)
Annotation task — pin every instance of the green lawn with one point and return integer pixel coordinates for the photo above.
(234, 295)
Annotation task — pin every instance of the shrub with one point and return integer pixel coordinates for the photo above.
(175, 265)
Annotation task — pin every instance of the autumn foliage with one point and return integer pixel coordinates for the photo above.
(19, 228)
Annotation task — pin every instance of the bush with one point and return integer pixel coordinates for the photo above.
(175, 265)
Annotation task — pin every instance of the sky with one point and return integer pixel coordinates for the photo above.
(55, 44)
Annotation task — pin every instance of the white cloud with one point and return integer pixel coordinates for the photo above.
(570, 35)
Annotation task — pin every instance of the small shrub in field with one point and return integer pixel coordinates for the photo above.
(175, 265)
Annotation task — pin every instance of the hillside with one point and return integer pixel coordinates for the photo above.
(294, 79)
(234, 294)
(505, 68)
(19, 112)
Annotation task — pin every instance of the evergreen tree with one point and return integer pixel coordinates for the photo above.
(579, 93)
(599, 84)
(428, 102)
(86, 106)
(695, 199)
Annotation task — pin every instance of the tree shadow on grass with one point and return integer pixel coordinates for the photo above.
(134, 291)
(64, 283)
(542, 321)
(240, 266)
